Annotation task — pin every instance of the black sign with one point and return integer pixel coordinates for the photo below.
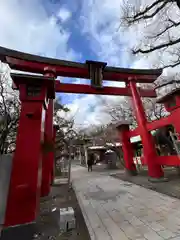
(96, 73)
(33, 90)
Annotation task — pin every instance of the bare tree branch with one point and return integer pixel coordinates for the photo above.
(9, 112)
(161, 35)
(168, 27)
(178, 3)
(141, 15)
(158, 47)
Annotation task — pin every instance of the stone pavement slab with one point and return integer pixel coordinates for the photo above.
(118, 210)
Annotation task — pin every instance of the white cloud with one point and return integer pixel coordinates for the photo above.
(100, 21)
(25, 26)
(28, 28)
(89, 111)
(64, 14)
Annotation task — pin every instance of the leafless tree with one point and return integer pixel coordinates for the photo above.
(118, 110)
(65, 134)
(123, 110)
(158, 22)
(153, 110)
(9, 112)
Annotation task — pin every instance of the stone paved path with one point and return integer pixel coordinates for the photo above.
(118, 210)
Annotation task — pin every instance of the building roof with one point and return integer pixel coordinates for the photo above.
(133, 140)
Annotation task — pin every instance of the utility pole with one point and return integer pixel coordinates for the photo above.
(85, 154)
(69, 165)
(71, 155)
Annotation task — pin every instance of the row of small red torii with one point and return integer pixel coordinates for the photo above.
(33, 171)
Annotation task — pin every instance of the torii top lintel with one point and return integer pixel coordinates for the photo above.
(36, 64)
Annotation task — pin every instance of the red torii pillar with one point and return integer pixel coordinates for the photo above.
(150, 155)
(48, 158)
(25, 184)
(128, 153)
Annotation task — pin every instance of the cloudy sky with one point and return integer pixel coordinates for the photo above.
(75, 30)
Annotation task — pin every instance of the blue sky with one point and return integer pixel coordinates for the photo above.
(77, 30)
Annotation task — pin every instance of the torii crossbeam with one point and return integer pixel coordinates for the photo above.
(36, 64)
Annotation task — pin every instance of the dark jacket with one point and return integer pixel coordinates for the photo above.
(90, 160)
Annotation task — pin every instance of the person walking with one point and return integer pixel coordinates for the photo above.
(90, 162)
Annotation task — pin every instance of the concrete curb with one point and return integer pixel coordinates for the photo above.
(88, 225)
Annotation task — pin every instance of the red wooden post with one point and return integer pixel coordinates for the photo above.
(48, 157)
(128, 154)
(55, 128)
(25, 184)
(154, 169)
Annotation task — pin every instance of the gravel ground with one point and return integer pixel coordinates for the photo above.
(47, 224)
(170, 188)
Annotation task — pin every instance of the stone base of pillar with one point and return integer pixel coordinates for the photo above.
(158, 180)
(131, 172)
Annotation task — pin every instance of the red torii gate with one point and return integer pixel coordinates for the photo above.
(31, 176)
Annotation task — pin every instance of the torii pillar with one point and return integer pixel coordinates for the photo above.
(128, 153)
(48, 157)
(25, 184)
(154, 170)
